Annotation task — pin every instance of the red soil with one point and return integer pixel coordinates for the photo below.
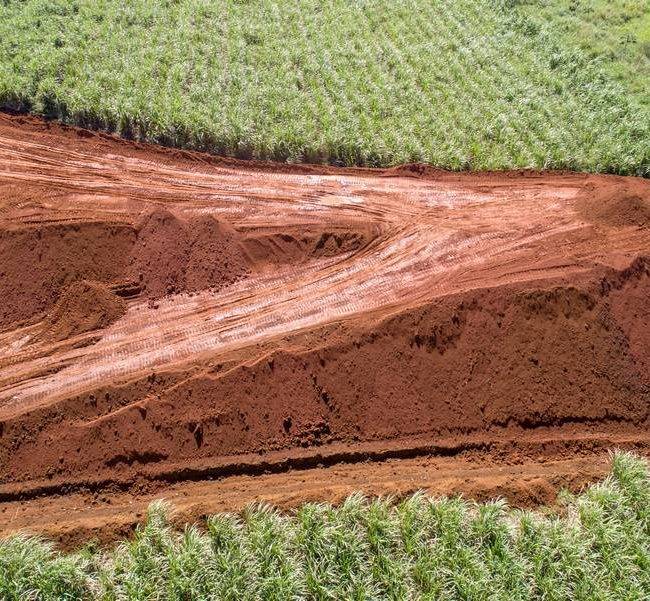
(38, 261)
(108, 515)
(83, 307)
(624, 205)
(282, 318)
(171, 255)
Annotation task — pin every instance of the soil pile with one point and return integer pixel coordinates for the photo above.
(216, 258)
(625, 204)
(37, 263)
(171, 255)
(168, 255)
(83, 307)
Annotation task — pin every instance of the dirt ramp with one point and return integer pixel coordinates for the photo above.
(494, 361)
(83, 307)
(171, 255)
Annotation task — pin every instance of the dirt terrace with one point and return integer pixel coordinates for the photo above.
(170, 318)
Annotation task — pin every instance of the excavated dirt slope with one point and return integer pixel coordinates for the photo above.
(169, 318)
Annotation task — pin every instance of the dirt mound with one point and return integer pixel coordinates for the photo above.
(617, 205)
(83, 307)
(171, 255)
(216, 257)
(38, 262)
(160, 253)
(165, 254)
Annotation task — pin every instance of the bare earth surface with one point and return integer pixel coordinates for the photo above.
(218, 332)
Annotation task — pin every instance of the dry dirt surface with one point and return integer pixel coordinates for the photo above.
(221, 331)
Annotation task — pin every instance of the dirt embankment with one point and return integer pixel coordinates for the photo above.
(169, 318)
(570, 358)
(618, 204)
(160, 255)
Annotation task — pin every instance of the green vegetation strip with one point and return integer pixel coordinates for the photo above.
(461, 84)
(593, 546)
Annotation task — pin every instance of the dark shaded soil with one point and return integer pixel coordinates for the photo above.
(37, 263)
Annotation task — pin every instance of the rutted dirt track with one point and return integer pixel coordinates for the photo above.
(168, 318)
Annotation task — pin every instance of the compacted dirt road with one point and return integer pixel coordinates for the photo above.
(170, 318)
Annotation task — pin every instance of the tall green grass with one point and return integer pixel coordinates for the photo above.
(461, 84)
(616, 33)
(595, 546)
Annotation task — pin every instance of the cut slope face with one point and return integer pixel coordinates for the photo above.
(285, 317)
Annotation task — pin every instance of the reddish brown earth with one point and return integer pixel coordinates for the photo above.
(83, 306)
(221, 331)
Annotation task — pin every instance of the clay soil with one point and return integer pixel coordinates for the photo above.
(218, 332)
